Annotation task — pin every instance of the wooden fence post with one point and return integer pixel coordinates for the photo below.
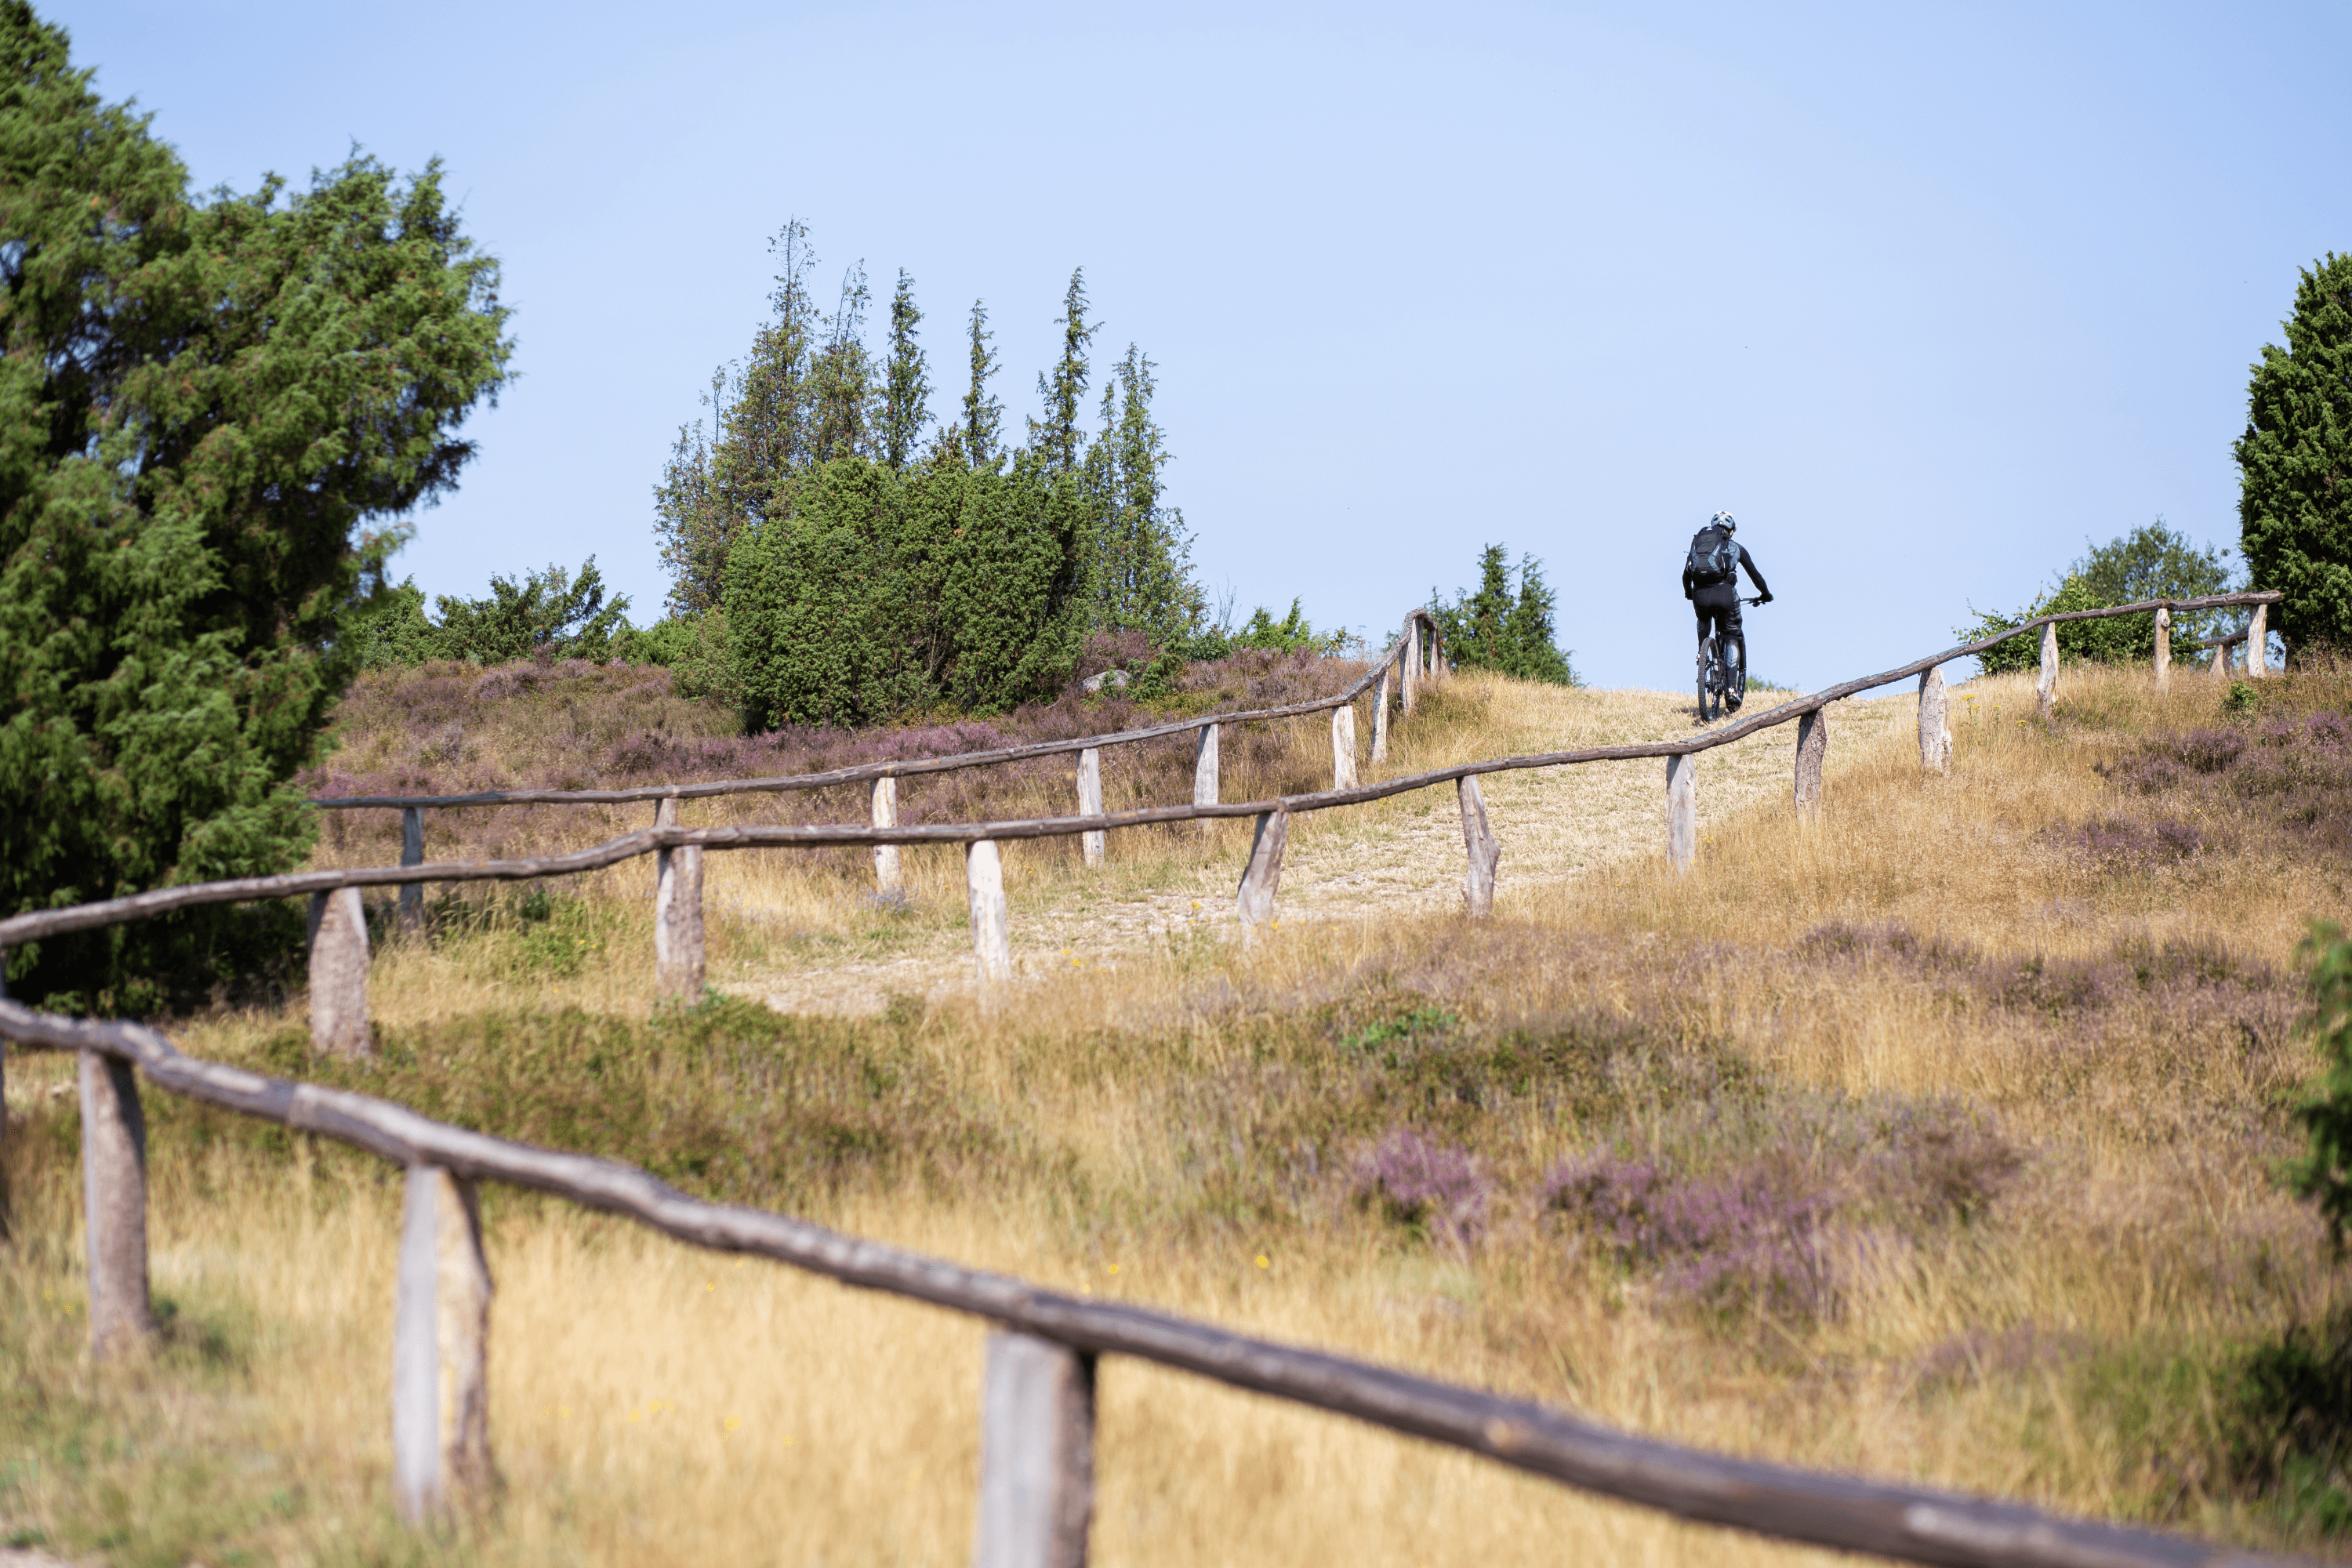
(2222, 660)
(1437, 671)
(412, 853)
(1036, 1455)
(1484, 851)
(339, 974)
(1263, 874)
(1090, 801)
(2163, 648)
(1410, 663)
(1812, 751)
(440, 1350)
(1204, 774)
(679, 951)
(888, 877)
(2045, 685)
(1682, 810)
(1343, 746)
(1934, 726)
(1380, 718)
(2258, 643)
(114, 1204)
(991, 934)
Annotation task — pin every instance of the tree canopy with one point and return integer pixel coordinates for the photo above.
(2153, 560)
(2294, 462)
(204, 404)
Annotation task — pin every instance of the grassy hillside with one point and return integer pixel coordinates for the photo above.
(1935, 1140)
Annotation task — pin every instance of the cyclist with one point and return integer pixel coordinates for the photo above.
(1711, 582)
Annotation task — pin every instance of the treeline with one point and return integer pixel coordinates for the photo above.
(837, 557)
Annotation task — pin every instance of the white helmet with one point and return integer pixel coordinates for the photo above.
(1723, 519)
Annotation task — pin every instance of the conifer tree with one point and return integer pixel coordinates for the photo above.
(214, 412)
(1499, 629)
(842, 377)
(1143, 554)
(906, 389)
(2295, 505)
(1057, 438)
(984, 416)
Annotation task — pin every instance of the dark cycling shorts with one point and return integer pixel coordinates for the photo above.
(1721, 621)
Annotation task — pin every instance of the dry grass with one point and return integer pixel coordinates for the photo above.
(2094, 1036)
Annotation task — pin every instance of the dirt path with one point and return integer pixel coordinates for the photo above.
(1401, 854)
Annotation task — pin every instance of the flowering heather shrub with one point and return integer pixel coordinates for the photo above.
(1433, 1189)
(1775, 1190)
(1732, 1239)
(456, 729)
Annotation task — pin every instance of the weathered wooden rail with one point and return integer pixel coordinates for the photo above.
(1036, 1480)
(1037, 1463)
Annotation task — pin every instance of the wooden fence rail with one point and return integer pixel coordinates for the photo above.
(1038, 1461)
(1036, 1483)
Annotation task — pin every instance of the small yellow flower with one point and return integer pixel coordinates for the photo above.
(709, 1285)
(636, 1415)
(565, 1411)
(1263, 1261)
(1110, 1268)
(732, 1422)
(1196, 903)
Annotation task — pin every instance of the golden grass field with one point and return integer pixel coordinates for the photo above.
(1154, 1113)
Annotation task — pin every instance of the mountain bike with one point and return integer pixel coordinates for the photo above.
(1723, 674)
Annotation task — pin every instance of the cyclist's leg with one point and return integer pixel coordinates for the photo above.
(1735, 654)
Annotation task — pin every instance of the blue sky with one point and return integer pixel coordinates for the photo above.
(1925, 295)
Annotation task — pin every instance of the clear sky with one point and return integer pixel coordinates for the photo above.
(1926, 296)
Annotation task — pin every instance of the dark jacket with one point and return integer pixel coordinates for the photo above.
(1723, 593)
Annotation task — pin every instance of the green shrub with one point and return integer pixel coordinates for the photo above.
(882, 594)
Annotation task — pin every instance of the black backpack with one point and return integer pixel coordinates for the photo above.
(1714, 558)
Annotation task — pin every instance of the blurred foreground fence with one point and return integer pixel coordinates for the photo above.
(1036, 1484)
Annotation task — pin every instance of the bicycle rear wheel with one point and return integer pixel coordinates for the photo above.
(1709, 679)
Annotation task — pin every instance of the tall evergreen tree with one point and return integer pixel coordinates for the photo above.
(1057, 438)
(214, 412)
(907, 386)
(2295, 498)
(1143, 554)
(690, 522)
(842, 377)
(984, 416)
(1496, 628)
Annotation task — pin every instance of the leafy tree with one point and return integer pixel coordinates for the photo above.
(907, 388)
(1143, 561)
(203, 403)
(548, 614)
(1058, 435)
(2295, 461)
(2152, 562)
(1504, 629)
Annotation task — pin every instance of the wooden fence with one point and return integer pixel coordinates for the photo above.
(1037, 1437)
(1417, 655)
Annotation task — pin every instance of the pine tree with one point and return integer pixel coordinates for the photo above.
(1535, 653)
(1057, 437)
(694, 529)
(216, 413)
(984, 417)
(842, 377)
(1499, 629)
(907, 388)
(1143, 554)
(2295, 505)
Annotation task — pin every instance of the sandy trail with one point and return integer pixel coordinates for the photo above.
(1399, 856)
